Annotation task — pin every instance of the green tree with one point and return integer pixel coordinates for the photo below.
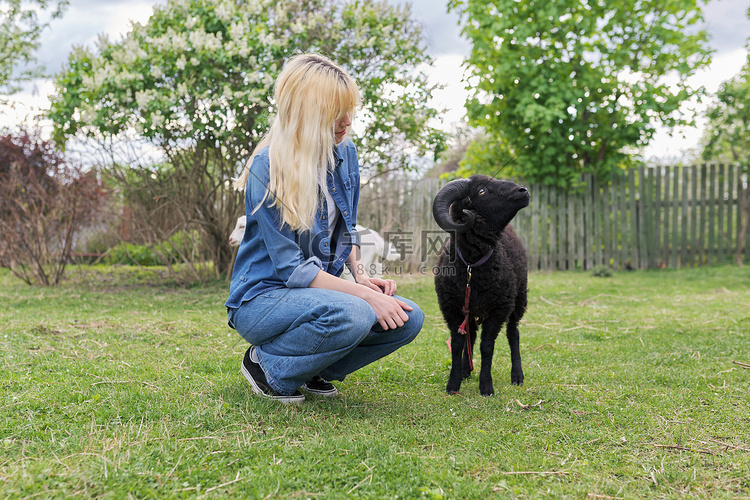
(195, 82)
(579, 85)
(20, 29)
(727, 135)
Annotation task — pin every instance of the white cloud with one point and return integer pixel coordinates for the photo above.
(448, 70)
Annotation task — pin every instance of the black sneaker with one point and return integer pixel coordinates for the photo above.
(254, 374)
(318, 385)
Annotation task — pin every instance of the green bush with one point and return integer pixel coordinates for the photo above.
(602, 272)
(130, 255)
(161, 254)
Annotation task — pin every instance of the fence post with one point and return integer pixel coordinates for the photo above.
(612, 214)
(664, 230)
(570, 243)
(553, 229)
(595, 212)
(535, 228)
(720, 234)
(695, 222)
(730, 209)
(657, 224)
(675, 246)
(711, 222)
(623, 219)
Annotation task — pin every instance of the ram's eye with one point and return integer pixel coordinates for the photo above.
(481, 192)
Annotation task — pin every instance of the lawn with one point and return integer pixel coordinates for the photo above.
(116, 385)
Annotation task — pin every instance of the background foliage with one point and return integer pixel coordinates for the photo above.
(576, 86)
(20, 29)
(194, 84)
(44, 202)
(727, 133)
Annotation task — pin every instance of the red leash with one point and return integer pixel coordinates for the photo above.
(463, 328)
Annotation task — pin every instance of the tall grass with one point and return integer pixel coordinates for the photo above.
(115, 385)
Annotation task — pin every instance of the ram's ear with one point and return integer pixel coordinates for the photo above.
(467, 203)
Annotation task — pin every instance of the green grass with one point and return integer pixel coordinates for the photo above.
(116, 386)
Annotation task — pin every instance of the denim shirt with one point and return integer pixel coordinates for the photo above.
(271, 255)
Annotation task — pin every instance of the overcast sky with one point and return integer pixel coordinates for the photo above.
(726, 22)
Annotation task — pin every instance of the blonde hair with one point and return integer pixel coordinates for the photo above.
(312, 94)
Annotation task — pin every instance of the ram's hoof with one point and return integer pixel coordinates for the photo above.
(452, 388)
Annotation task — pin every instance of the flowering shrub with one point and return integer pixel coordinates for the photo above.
(193, 87)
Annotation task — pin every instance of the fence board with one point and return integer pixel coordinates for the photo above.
(695, 232)
(544, 228)
(684, 227)
(661, 224)
(596, 215)
(713, 220)
(570, 243)
(675, 247)
(742, 195)
(623, 216)
(701, 201)
(720, 216)
(730, 207)
(589, 214)
(666, 216)
(535, 229)
(554, 228)
(606, 226)
(737, 217)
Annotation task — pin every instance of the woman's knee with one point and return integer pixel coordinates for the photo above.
(416, 319)
(352, 315)
(416, 313)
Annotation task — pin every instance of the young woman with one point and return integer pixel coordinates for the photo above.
(306, 325)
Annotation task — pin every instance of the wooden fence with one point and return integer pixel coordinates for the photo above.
(644, 218)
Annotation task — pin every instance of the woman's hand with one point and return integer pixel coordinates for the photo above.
(389, 310)
(387, 287)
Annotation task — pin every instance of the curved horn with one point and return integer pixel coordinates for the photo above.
(453, 191)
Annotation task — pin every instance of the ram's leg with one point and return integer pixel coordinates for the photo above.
(458, 345)
(490, 330)
(516, 372)
(468, 352)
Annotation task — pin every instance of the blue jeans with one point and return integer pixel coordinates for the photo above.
(303, 332)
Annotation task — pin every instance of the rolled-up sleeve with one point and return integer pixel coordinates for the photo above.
(305, 273)
(289, 262)
(354, 235)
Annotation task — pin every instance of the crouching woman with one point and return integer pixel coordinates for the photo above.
(306, 325)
